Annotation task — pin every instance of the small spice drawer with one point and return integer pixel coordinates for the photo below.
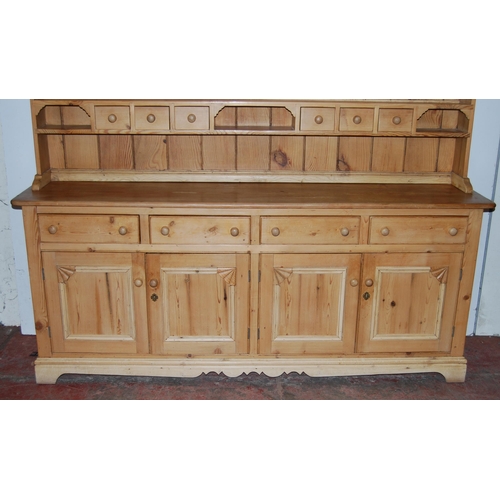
(395, 120)
(417, 230)
(152, 117)
(317, 119)
(193, 230)
(192, 117)
(112, 117)
(309, 230)
(57, 228)
(356, 119)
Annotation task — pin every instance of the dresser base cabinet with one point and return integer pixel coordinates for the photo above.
(325, 238)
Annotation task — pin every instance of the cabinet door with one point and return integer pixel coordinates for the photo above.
(198, 304)
(408, 302)
(96, 302)
(308, 303)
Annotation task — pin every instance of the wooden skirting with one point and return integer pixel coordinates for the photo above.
(49, 370)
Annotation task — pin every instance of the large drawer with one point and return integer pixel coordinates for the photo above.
(57, 228)
(417, 230)
(195, 230)
(329, 230)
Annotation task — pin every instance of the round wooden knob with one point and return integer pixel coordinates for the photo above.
(396, 120)
(318, 119)
(153, 283)
(385, 231)
(165, 230)
(369, 282)
(453, 231)
(52, 229)
(275, 231)
(138, 283)
(357, 120)
(123, 230)
(191, 118)
(344, 231)
(112, 118)
(235, 231)
(354, 282)
(151, 118)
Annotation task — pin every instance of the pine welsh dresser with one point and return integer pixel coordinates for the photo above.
(181, 237)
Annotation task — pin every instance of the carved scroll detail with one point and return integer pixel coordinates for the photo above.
(440, 274)
(281, 275)
(65, 273)
(228, 275)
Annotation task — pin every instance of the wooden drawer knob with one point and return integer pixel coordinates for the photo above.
(191, 118)
(385, 231)
(344, 231)
(354, 282)
(357, 120)
(165, 230)
(138, 283)
(275, 231)
(52, 229)
(396, 120)
(369, 282)
(112, 118)
(318, 119)
(123, 230)
(235, 231)
(153, 283)
(151, 118)
(453, 231)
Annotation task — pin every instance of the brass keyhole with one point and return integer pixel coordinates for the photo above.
(154, 297)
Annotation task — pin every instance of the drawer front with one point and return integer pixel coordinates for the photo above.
(356, 119)
(395, 120)
(192, 117)
(57, 228)
(417, 230)
(309, 230)
(193, 230)
(112, 118)
(317, 119)
(152, 118)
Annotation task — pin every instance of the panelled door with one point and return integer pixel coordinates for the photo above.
(408, 302)
(96, 302)
(308, 303)
(198, 303)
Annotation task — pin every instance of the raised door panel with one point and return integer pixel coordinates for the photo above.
(408, 302)
(198, 304)
(308, 303)
(96, 302)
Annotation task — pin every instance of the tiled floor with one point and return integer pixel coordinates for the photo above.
(17, 381)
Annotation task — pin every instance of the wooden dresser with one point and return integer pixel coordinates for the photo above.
(175, 238)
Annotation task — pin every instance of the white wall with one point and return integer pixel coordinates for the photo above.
(19, 165)
(9, 310)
